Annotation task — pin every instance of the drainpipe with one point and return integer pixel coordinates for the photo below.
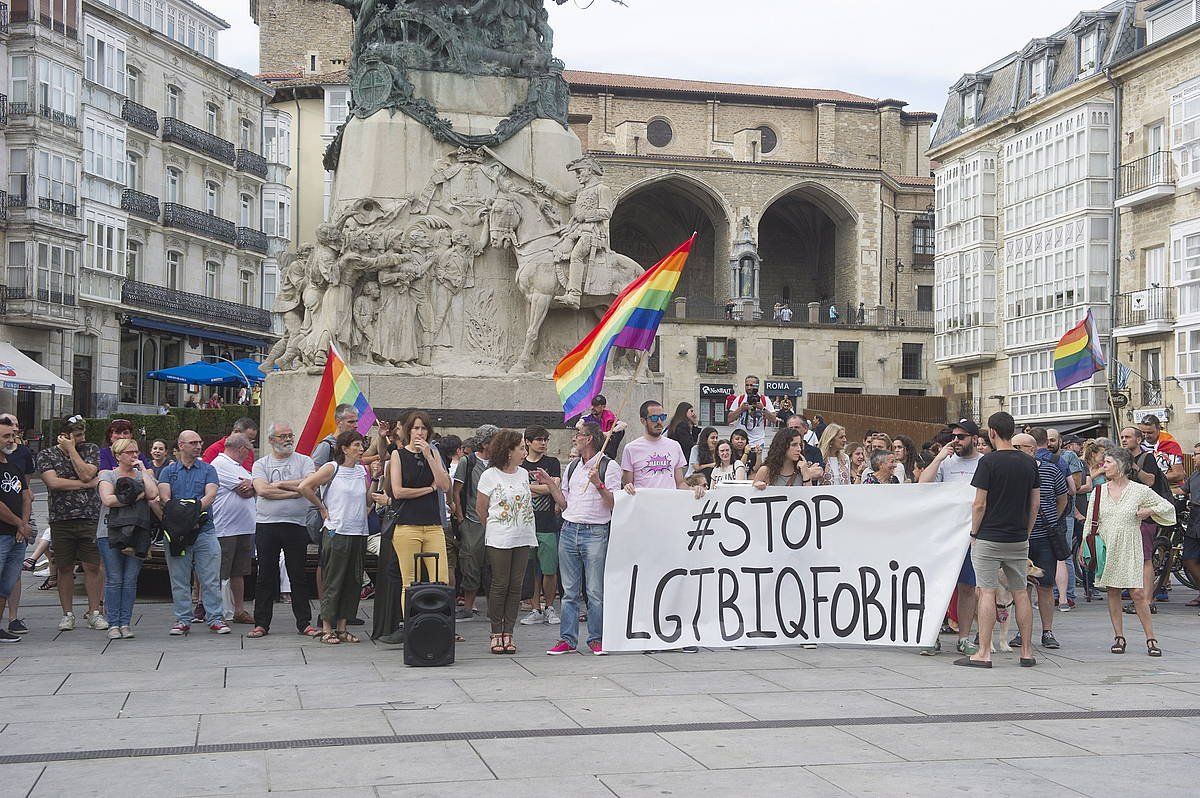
(1114, 278)
(296, 166)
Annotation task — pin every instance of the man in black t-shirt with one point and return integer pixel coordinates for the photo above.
(16, 502)
(546, 522)
(1006, 485)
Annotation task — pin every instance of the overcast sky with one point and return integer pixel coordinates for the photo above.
(911, 51)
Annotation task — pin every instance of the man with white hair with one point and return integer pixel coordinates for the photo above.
(280, 515)
(234, 517)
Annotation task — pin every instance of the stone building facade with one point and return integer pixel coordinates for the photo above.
(134, 239)
(809, 197)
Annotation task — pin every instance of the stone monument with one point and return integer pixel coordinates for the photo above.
(467, 246)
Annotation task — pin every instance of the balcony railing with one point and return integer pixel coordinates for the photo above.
(59, 117)
(139, 204)
(206, 224)
(3, 205)
(56, 309)
(3, 109)
(1148, 306)
(140, 116)
(201, 141)
(1156, 169)
(4, 18)
(1152, 394)
(18, 109)
(58, 206)
(251, 163)
(970, 409)
(181, 304)
(251, 239)
(16, 200)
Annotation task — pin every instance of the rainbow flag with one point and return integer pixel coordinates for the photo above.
(337, 388)
(630, 323)
(1077, 356)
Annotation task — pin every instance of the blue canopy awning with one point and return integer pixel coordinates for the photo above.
(204, 373)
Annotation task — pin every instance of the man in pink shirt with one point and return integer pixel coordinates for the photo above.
(653, 460)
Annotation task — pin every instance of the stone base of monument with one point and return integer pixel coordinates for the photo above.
(458, 404)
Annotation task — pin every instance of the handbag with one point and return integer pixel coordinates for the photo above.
(1058, 538)
(1094, 543)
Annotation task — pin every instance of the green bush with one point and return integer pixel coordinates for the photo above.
(209, 423)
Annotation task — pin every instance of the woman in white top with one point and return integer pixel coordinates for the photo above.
(343, 507)
(833, 449)
(727, 468)
(504, 504)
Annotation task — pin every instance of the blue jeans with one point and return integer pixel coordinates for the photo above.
(205, 556)
(581, 552)
(12, 554)
(120, 583)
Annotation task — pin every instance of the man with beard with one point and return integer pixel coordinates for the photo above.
(956, 462)
(279, 527)
(16, 504)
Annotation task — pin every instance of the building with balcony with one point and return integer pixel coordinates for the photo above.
(136, 177)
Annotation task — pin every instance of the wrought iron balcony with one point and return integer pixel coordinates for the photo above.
(186, 306)
(970, 409)
(42, 308)
(251, 163)
(251, 239)
(1152, 393)
(58, 206)
(3, 205)
(1146, 179)
(140, 116)
(1146, 312)
(179, 132)
(18, 109)
(59, 117)
(3, 109)
(4, 23)
(15, 200)
(206, 224)
(139, 204)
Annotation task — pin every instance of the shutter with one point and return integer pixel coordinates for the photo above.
(701, 353)
(731, 355)
(652, 362)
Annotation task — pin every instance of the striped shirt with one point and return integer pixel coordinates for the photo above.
(1053, 485)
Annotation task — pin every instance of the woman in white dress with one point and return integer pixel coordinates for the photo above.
(1123, 505)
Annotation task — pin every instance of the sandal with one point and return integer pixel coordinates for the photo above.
(346, 637)
(1118, 646)
(509, 646)
(50, 584)
(330, 638)
(497, 644)
(28, 565)
(1152, 648)
(257, 631)
(310, 631)
(459, 638)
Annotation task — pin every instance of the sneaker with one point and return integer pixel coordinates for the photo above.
(464, 614)
(126, 632)
(1162, 596)
(552, 616)
(561, 647)
(67, 623)
(368, 592)
(965, 646)
(1016, 641)
(17, 626)
(95, 620)
(114, 633)
(218, 627)
(689, 650)
(1048, 640)
(180, 628)
(933, 650)
(597, 648)
(537, 616)
(1070, 605)
(8, 637)
(198, 614)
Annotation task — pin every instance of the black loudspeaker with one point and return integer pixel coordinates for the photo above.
(428, 619)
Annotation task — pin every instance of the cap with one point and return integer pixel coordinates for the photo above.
(1072, 439)
(966, 424)
(485, 433)
(599, 399)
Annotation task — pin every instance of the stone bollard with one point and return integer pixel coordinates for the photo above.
(814, 312)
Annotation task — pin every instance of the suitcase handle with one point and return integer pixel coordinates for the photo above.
(437, 562)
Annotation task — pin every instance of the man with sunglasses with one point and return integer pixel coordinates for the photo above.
(956, 462)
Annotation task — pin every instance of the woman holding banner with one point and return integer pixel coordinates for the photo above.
(833, 449)
(785, 466)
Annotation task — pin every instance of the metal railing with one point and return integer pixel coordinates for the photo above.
(1156, 169)
(3, 109)
(139, 116)
(1152, 395)
(251, 163)
(4, 18)
(186, 306)
(179, 132)
(251, 239)
(1146, 306)
(59, 117)
(140, 204)
(970, 409)
(848, 313)
(206, 224)
(20, 108)
(16, 200)
(58, 206)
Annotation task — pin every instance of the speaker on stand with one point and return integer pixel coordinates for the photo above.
(428, 618)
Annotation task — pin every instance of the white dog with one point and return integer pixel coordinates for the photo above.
(1004, 603)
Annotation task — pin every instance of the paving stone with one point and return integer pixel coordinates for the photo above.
(155, 776)
(607, 753)
(923, 779)
(308, 724)
(12, 684)
(746, 748)
(368, 765)
(811, 704)
(967, 700)
(839, 678)
(649, 710)
(1104, 776)
(159, 703)
(694, 682)
(127, 681)
(588, 664)
(541, 787)
(790, 781)
(18, 779)
(1120, 696)
(15, 709)
(962, 741)
(723, 659)
(354, 673)
(385, 695)
(544, 687)
(1122, 735)
(46, 662)
(88, 735)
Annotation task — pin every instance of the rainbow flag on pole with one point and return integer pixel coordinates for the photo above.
(630, 323)
(1078, 356)
(337, 388)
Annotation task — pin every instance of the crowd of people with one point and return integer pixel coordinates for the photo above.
(503, 517)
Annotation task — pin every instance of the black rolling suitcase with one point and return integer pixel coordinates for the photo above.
(428, 618)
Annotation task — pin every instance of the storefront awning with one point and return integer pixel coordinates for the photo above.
(199, 332)
(19, 372)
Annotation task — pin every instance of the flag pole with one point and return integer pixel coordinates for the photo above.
(637, 369)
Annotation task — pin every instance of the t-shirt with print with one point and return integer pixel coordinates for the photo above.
(510, 521)
(543, 506)
(653, 461)
(13, 485)
(752, 420)
(1008, 476)
(71, 505)
(460, 476)
(282, 511)
(958, 469)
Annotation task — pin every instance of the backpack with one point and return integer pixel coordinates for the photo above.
(603, 468)
(468, 476)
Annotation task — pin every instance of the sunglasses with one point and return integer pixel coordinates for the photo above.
(962, 436)
(657, 417)
(75, 420)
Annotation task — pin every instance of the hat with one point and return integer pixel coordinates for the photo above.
(1071, 439)
(966, 424)
(485, 433)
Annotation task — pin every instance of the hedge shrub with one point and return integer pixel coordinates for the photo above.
(210, 424)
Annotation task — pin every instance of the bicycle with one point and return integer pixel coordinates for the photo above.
(1168, 550)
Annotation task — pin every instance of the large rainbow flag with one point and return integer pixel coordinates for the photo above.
(1078, 356)
(337, 387)
(630, 323)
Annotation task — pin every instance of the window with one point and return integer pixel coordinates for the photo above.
(19, 79)
(659, 133)
(769, 139)
(133, 261)
(246, 135)
(716, 356)
(313, 61)
(56, 275)
(57, 177)
(171, 278)
(337, 108)
(246, 286)
(1185, 131)
(923, 239)
(133, 84)
(276, 213)
(104, 58)
(212, 197)
(246, 211)
(212, 278)
(912, 361)
(1087, 51)
(18, 175)
(1185, 266)
(970, 101)
(925, 297)
(133, 171)
(1037, 77)
(104, 149)
(17, 272)
(1155, 260)
(212, 118)
(783, 357)
(172, 106)
(58, 88)
(276, 138)
(58, 15)
(847, 360)
(174, 187)
(105, 243)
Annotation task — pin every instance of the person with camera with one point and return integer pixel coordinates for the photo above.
(750, 410)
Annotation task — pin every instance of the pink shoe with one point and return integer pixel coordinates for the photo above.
(597, 648)
(561, 647)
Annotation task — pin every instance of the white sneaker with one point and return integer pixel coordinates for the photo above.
(114, 633)
(537, 616)
(126, 632)
(552, 616)
(67, 623)
(96, 621)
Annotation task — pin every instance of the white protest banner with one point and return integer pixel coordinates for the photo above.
(865, 564)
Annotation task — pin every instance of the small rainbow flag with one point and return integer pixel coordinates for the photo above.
(630, 323)
(337, 388)
(1077, 356)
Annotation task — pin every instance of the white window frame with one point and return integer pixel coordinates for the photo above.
(1089, 57)
(173, 185)
(212, 279)
(104, 56)
(105, 245)
(337, 108)
(173, 269)
(212, 197)
(104, 149)
(173, 96)
(1185, 131)
(1037, 77)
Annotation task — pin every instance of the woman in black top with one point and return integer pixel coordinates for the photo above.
(415, 475)
(682, 427)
